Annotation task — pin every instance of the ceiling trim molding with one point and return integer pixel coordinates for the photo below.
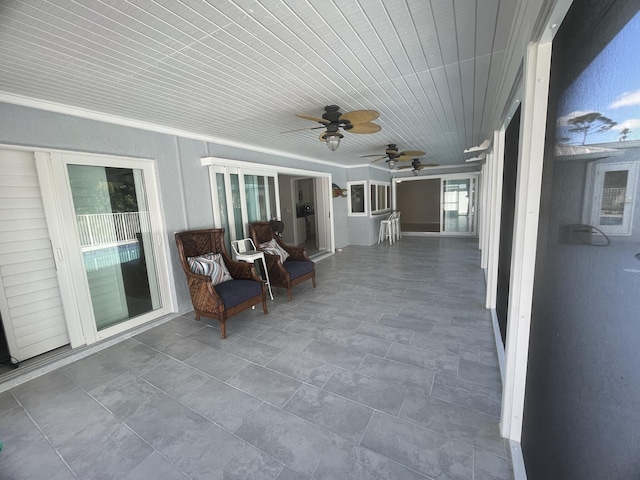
(151, 127)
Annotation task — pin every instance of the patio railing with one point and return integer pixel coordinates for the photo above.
(111, 228)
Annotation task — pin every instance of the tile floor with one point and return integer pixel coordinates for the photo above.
(387, 370)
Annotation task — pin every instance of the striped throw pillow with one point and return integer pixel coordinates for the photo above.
(210, 264)
(273, 248)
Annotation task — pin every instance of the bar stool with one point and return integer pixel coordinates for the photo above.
(245, 251)
(396, 227)
(386, 229)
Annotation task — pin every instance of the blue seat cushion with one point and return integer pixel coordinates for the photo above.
(234, 292)
(297, 268)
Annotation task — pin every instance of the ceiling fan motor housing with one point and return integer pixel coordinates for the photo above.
(332, 114)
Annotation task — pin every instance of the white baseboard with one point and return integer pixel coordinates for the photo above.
(499, 345)
(519, 472)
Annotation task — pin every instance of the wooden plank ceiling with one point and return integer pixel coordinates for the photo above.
(238, 71)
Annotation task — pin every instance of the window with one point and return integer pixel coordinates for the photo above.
(610, 196)
(357, 200)
(380, 195)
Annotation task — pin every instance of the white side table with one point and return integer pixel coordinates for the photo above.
(250, 256)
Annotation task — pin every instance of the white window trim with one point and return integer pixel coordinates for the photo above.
(387, 202)
(366, 194)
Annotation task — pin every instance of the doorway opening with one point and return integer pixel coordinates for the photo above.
(243, 193)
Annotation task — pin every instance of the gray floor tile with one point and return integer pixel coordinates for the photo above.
(178, 346)
(356, 341)
(334, 355)
(43, 389)
(216, 454)
(301, 368)
(246, 328)
(395, 372)
(210, 335)
(90, 439)
(220, 403)
(375, 307)
(346, 461)
(442, 344)
(26, 453)
(285, 341)
(335, 320)
(166, 424)
(7, 402)
(320, 339)
(175, 378)
(267, 385)
(217, 363)
(253, 351)
(295, 442)
(491, 467)
(93, 371)
(157, 468)
(405, 323)
(480, 373)
(430, 359)
(134, 356)
(347, 311)
(385, 332)
(455, 421)
(372, 392)
(467, 394)
(419, 449)
(288, 474)
(336, 414)
(125, 395)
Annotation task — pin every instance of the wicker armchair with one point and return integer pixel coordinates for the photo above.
(296, 269)
(226, 299)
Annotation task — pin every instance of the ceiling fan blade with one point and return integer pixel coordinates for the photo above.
(403, 158)
(413, 153)
(378, 159)
(366, 127)
(360, 116)
(405, 166)
(300, 129)
(313, 119)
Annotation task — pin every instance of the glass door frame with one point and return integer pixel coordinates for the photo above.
(323, 194)
(67, 249)
(473, 198)
(227, 171)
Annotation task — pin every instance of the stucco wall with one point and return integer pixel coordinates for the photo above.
(183, 181)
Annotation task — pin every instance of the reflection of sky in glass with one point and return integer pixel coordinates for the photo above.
(610, 85)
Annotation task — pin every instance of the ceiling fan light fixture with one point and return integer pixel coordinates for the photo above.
(333, 140)
(392, 164)
(416, 171)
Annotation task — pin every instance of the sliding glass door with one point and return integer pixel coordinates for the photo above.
(243, 196)
(109, 241)
(458, 205)
(115, 238)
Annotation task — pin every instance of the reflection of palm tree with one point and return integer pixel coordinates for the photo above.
(589, 123)
(623, 134)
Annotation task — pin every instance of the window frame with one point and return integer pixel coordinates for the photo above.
(594, 191)
(381, 203)
(351, 198)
